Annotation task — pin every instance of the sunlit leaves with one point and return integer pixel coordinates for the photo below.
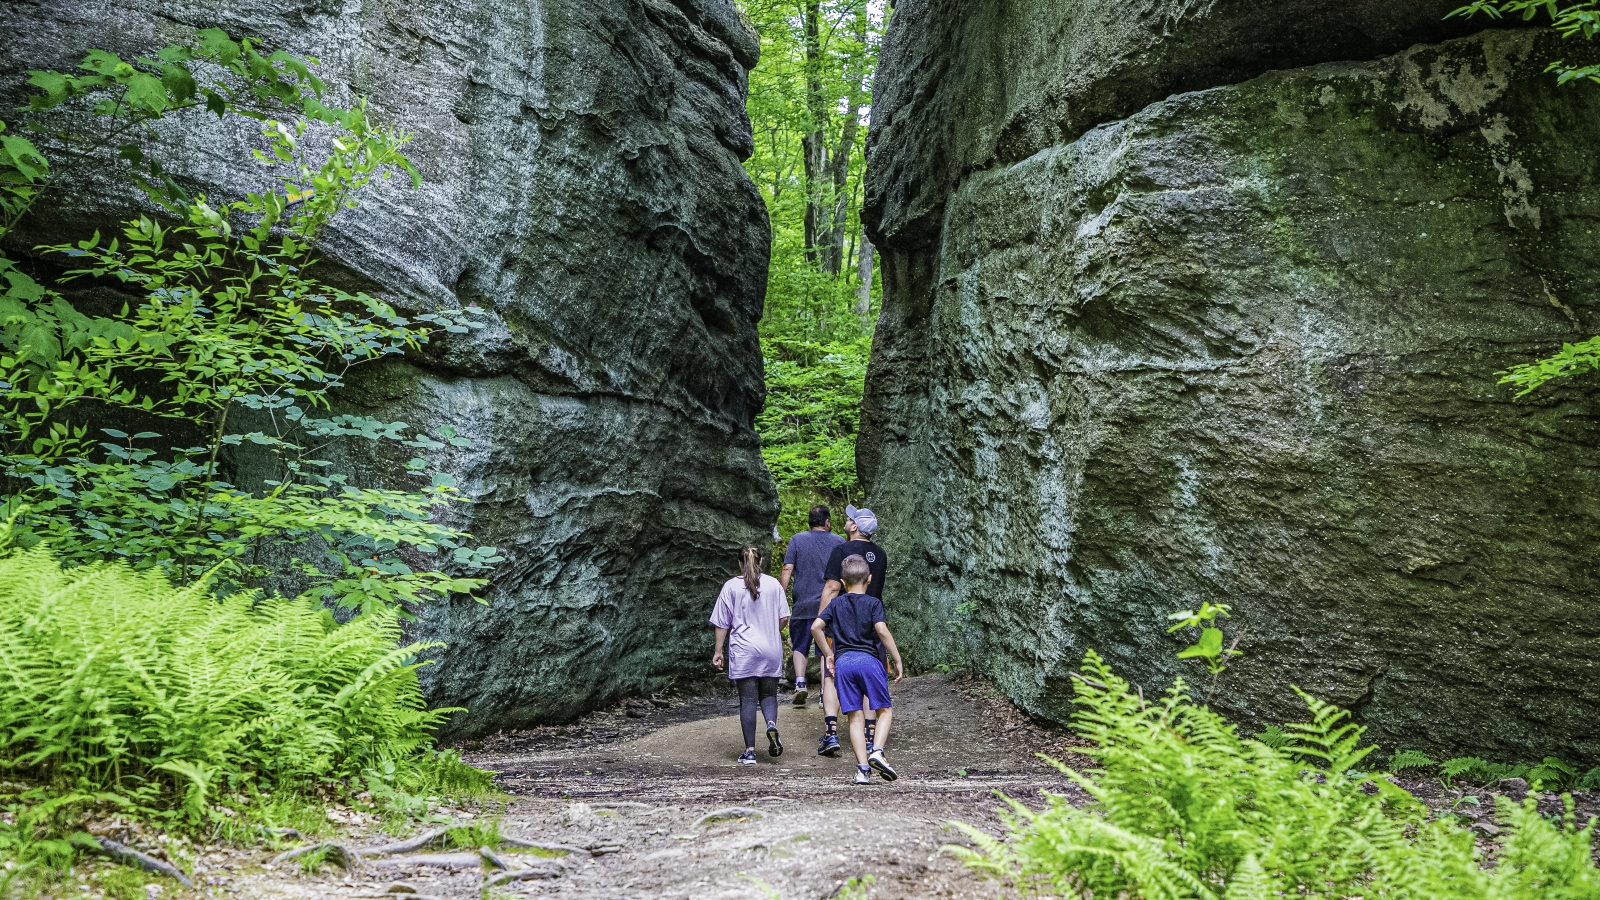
(233, 341)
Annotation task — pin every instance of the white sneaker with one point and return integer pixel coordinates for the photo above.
(876, 760)
(862, 777)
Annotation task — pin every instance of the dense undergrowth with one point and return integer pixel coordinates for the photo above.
(123, 695)
(1183, 808)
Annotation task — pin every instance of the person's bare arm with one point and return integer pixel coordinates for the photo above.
(819, 636)
(830, 589)
(717, 659)
(788, 573)
(894, 652)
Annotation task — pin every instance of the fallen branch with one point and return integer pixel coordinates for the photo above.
(523, 875)
(405, 846)
(124, 853)
(437, 860)
(344, 857)
(732, 812)
(521, 844)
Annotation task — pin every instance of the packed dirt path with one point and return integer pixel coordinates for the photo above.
(633, 783)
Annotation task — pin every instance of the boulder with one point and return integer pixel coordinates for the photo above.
(966, 86)
(1240, 347)
(581, 161)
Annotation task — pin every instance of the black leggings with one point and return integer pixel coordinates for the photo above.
(751, 691)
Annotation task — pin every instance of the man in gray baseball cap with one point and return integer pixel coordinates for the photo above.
(859, 527)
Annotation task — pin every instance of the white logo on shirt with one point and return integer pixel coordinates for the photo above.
(872, 557)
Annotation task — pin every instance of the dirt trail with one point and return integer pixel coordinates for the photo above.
(639, 779)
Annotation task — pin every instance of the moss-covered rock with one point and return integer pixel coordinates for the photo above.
(581, 161)
(1240, 347)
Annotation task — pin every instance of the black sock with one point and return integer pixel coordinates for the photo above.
(833, 724)
(871, 726)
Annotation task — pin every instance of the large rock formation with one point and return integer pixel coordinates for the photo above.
(1239, 345)
(583, 183)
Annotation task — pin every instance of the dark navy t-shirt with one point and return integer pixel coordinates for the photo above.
(852, 621)
(808, 553)
(877, 563)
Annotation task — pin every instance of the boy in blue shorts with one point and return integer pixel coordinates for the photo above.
(850, 631)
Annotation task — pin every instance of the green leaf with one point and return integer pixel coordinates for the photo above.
(1209, 646)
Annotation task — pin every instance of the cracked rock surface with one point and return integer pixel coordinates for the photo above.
(582, 174)
(1239, 345)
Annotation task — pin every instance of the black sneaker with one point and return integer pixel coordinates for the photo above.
(828, 746)
(800, 695)
(877, 761)
(774, 746)
(748, 758)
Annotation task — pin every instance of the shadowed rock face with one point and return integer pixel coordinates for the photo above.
(1239, 346)
(582, 183)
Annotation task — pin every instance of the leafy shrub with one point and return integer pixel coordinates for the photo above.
(1185, 809)
(115, 683)
(234, 343)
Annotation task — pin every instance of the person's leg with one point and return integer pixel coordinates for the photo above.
(830, 713)
(748, 702)
(800, 640)
(858, 737)
(768, 694)
(881, 735)
(875, 684)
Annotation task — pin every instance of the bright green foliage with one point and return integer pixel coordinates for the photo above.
(231, 327)
(1274, 736)
(113, 682)
(1209, 647)
(1571, 18)
(1573, 360)
(1184, 809)
(808, 104)
(1410, 759)
(808, 427)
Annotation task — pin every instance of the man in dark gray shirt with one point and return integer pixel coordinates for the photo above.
(805, 561)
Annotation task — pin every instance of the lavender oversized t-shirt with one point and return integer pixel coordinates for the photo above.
(755, 640)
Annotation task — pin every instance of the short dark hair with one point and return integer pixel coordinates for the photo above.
(854, 570)
(819, 517)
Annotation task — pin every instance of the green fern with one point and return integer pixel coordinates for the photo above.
(1182, 808)
(1589, 782)
(1274, 736)
(1552, 775)
(114, 681)
(1409, 759)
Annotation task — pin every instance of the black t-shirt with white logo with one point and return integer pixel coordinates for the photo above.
(877, 562)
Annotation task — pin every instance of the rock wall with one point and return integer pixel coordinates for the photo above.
(1239, 345)
(583, 184)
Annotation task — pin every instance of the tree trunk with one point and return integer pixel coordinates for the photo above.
(814, 144)
(864, 289)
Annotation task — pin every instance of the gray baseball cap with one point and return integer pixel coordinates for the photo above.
(864, 519)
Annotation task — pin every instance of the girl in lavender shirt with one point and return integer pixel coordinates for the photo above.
(750, 615)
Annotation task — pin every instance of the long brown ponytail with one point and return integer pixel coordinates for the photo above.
(750, 568)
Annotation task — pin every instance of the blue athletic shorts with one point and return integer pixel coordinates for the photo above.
(858, 673)
(800, 636)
